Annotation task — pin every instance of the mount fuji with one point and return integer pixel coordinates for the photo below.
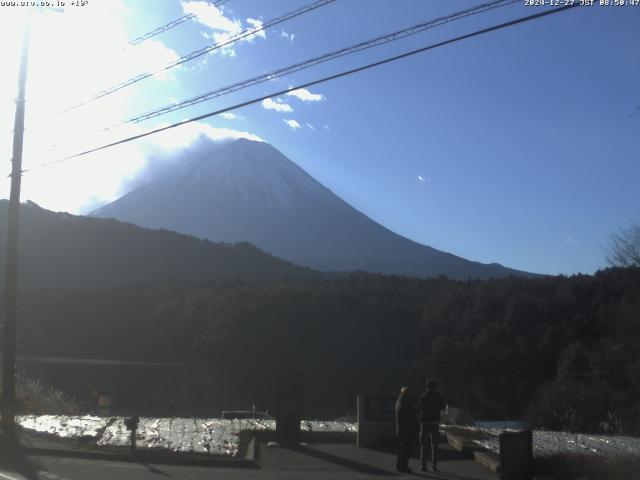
(248, 191)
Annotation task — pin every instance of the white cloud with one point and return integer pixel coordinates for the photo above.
(183, 136)
(221, 38)
(305, 95)
(97, 177)
(327, 127)
(287, 36)
(257, 25)
(311, 127)
(69, 186)
(292, 123)
(149, 55)
(223, 28)
(231, 116)
(211, 16)
(275, 78)
(63, 72)
(82, 184)
(167, 152)
(278, 105)
(569, 241)
(424, 179)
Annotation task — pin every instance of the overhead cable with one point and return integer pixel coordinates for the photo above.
(203, 51)
(318, 60)
(321, 80)
(170, 25)
(153, 33)
(377, 41)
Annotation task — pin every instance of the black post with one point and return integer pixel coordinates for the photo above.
(132, 425)
(288, 407)
(11, 279)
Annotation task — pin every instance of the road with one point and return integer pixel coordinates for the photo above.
(319, 461)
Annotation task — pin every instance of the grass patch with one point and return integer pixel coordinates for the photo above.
(32, 397)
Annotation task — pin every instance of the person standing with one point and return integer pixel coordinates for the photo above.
(405, 428)
(430, 404)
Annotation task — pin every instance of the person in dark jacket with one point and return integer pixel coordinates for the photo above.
(430, 404)
(406, 422)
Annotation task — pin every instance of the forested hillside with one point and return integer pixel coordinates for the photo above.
(60, 250)
(563, 350)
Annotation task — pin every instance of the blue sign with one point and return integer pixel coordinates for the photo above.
(378, 407)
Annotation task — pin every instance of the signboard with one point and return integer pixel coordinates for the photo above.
(376, 420)
(104, 405)
(377, 407)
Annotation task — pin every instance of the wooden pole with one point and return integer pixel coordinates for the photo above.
(11, 278)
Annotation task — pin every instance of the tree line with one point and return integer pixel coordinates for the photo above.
(563, 352)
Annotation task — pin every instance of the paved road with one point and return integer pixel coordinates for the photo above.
(319, 461)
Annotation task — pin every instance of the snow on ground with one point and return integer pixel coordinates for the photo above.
(65, 426)
(320, 426)
(213, 436)
(548, 443)
(220, 437)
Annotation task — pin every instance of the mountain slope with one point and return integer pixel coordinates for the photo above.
(63, 250)
(249, 191)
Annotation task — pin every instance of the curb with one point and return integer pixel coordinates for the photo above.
(249, 450)
(492, 462)
(458, 444)
(248, 461)
(484, 458)
(328, 437)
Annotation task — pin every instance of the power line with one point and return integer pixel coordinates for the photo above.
(153, 33)
(203, 51)
(318, 60)
(140, 39)
(321, 80)
(377, 41)
(146, 36)
(162, 29)
(170, 25)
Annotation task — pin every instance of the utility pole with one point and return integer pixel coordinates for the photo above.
(11, 279)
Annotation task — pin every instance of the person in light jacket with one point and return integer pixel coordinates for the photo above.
(406, 423)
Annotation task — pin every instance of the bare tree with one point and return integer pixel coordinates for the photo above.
(624, 247)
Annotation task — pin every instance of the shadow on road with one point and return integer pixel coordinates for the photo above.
(153, 469)
(443, 476)
(13, 460)
(446, 455)
(344, 462)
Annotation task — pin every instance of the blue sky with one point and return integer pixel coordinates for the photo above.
(519, 147)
